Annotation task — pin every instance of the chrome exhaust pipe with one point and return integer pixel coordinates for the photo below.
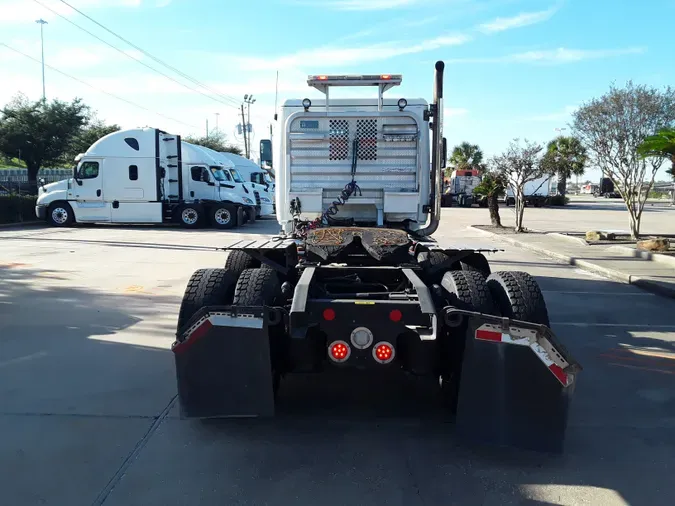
(437, 155)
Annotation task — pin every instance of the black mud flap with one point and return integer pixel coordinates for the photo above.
(223, 365)
(516, 383)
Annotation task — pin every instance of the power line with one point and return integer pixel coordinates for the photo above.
(233, 100)
(98, 89)
(132, 57)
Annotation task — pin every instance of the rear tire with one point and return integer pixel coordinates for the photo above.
(476, 262)
(224, 216)
(190, 216)
(261, 287)
(434, 258)
(466, 290)
(257, 287)
(238, 261)
(518, 296)
(206, 287)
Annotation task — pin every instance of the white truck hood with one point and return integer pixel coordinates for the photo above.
(52, 187)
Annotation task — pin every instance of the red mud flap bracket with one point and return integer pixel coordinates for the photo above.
(223, 365)
(516, 383)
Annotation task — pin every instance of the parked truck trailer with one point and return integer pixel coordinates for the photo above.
(356, 281)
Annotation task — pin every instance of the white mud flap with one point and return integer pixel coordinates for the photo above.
(516, 384)
(223, 364)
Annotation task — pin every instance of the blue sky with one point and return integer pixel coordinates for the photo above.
(515, 68)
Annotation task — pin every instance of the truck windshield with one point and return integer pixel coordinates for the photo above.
(220, 174)
(236, 176)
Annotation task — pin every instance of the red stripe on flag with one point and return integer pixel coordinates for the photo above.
(196, 334)
(488, 335)
(559, 373)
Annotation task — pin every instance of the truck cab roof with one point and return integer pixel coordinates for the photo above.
(367, 103)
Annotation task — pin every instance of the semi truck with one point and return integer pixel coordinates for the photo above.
(147, 175)
(259, 178)
(355, 281)
(460, 189)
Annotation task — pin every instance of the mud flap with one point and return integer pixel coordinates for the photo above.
(223, 365)
(516, 383)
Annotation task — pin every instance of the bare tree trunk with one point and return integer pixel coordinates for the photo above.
(32, 170)
(520, 209)
(562, 185)
(493, 207)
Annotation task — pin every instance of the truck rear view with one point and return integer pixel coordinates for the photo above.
(355, 281)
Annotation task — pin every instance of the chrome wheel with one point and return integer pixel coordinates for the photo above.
(59, 215)
(189, 216)
(222, 216)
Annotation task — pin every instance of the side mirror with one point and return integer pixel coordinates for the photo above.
(204, 178)
(445, 153)
(42, 181)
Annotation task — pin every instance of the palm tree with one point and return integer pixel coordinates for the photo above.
(492, 185)
(565, 157)
(466, 156)
(662, 145)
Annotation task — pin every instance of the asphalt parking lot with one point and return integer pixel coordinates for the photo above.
(88, 413)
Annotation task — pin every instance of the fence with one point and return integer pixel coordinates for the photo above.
(16, 180)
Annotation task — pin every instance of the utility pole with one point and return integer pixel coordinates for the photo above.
(248, 100)
(217, 114)
(243, 127)
(207, 128)
(42, 22)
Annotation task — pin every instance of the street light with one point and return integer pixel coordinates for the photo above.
(42, 22)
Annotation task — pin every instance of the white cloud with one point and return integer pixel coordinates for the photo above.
(518, 21)
(553, 56)
(329, 57)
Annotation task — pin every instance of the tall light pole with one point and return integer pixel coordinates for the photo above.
(42, 23)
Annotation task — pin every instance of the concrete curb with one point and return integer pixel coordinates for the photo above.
(647, 255)
(21, 224)
(644, 283)
(577, 240)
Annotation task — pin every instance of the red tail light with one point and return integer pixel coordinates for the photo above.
(383, 352)
(329, 314)
(395, 315)
(339, 351)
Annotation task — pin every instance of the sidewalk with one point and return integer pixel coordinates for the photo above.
(619, 263)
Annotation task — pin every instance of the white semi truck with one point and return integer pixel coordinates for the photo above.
(354, 281)
(259, 178)
(148, 176)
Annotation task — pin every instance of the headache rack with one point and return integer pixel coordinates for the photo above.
(383, 82)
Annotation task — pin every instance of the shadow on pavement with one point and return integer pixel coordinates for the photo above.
(84, 374)
(79, 386)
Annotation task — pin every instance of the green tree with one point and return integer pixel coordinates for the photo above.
(492, 186)
(40, 131)
(565, 157)
(519, 165)
(466, 156)
(88, 135)
(660, 145)
(613, 126)
(216, 141)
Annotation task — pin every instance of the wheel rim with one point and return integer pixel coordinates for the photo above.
(222, 216)
(189, 216)
(59, 215)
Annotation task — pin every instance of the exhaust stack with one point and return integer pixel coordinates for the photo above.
(437, 154)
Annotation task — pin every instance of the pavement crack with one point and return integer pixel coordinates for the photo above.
(121, 471)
